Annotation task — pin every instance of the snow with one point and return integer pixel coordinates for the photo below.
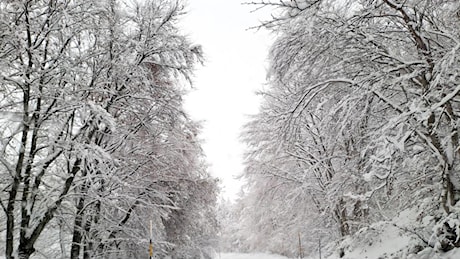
(249, 256)
(394, 238)
(380, 250)
(390, 242)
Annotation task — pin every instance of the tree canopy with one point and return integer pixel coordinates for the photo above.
(94, 141)
(358, 124)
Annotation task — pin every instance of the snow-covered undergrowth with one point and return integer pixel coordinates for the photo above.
(411, 234)
(249, 256)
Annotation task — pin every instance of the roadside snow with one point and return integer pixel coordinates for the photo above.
(249, 256)
(389, 242)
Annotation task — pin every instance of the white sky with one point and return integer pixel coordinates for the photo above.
(225, 87)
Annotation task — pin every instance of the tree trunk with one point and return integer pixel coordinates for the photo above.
(77, 230)
(25, 250)
(341, 215)
(10, 219)
(77, 237)
(88, 245)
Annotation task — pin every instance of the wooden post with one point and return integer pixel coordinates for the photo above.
(150, 244)
(319, 247)
(300, 247)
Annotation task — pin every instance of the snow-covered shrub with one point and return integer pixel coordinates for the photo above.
(447, 232)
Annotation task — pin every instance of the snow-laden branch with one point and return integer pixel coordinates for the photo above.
(307, 97)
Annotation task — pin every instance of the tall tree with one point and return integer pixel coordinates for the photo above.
(93, 131)
(363, 101)
(41, 93)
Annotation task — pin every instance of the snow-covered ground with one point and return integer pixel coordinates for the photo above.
(249, 256)
(396, 238)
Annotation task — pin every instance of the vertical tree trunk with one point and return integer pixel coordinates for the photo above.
(25, 250)
(449, 195)
(10, 218)
(92, 235)
(77, 230)
(77, 236)
(341, 216)
(24, 137)
(88, 245)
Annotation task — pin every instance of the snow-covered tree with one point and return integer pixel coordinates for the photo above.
(360, 120)
(94, 139)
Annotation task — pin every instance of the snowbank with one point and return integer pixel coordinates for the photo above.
(249, 256)
(406, 236)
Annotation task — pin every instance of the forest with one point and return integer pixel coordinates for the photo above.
(97, 154)
(356, 144)
(354, 151)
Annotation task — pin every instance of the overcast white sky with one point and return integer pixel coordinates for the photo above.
(225, 87)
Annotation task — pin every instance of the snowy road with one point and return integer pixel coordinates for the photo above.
(249, 256)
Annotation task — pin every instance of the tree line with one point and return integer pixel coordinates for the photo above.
(94, 141)
(358, 124)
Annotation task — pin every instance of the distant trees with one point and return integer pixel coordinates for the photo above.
(359, 121)
(94, 142)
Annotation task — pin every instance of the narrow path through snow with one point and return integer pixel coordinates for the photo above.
(249, 256)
